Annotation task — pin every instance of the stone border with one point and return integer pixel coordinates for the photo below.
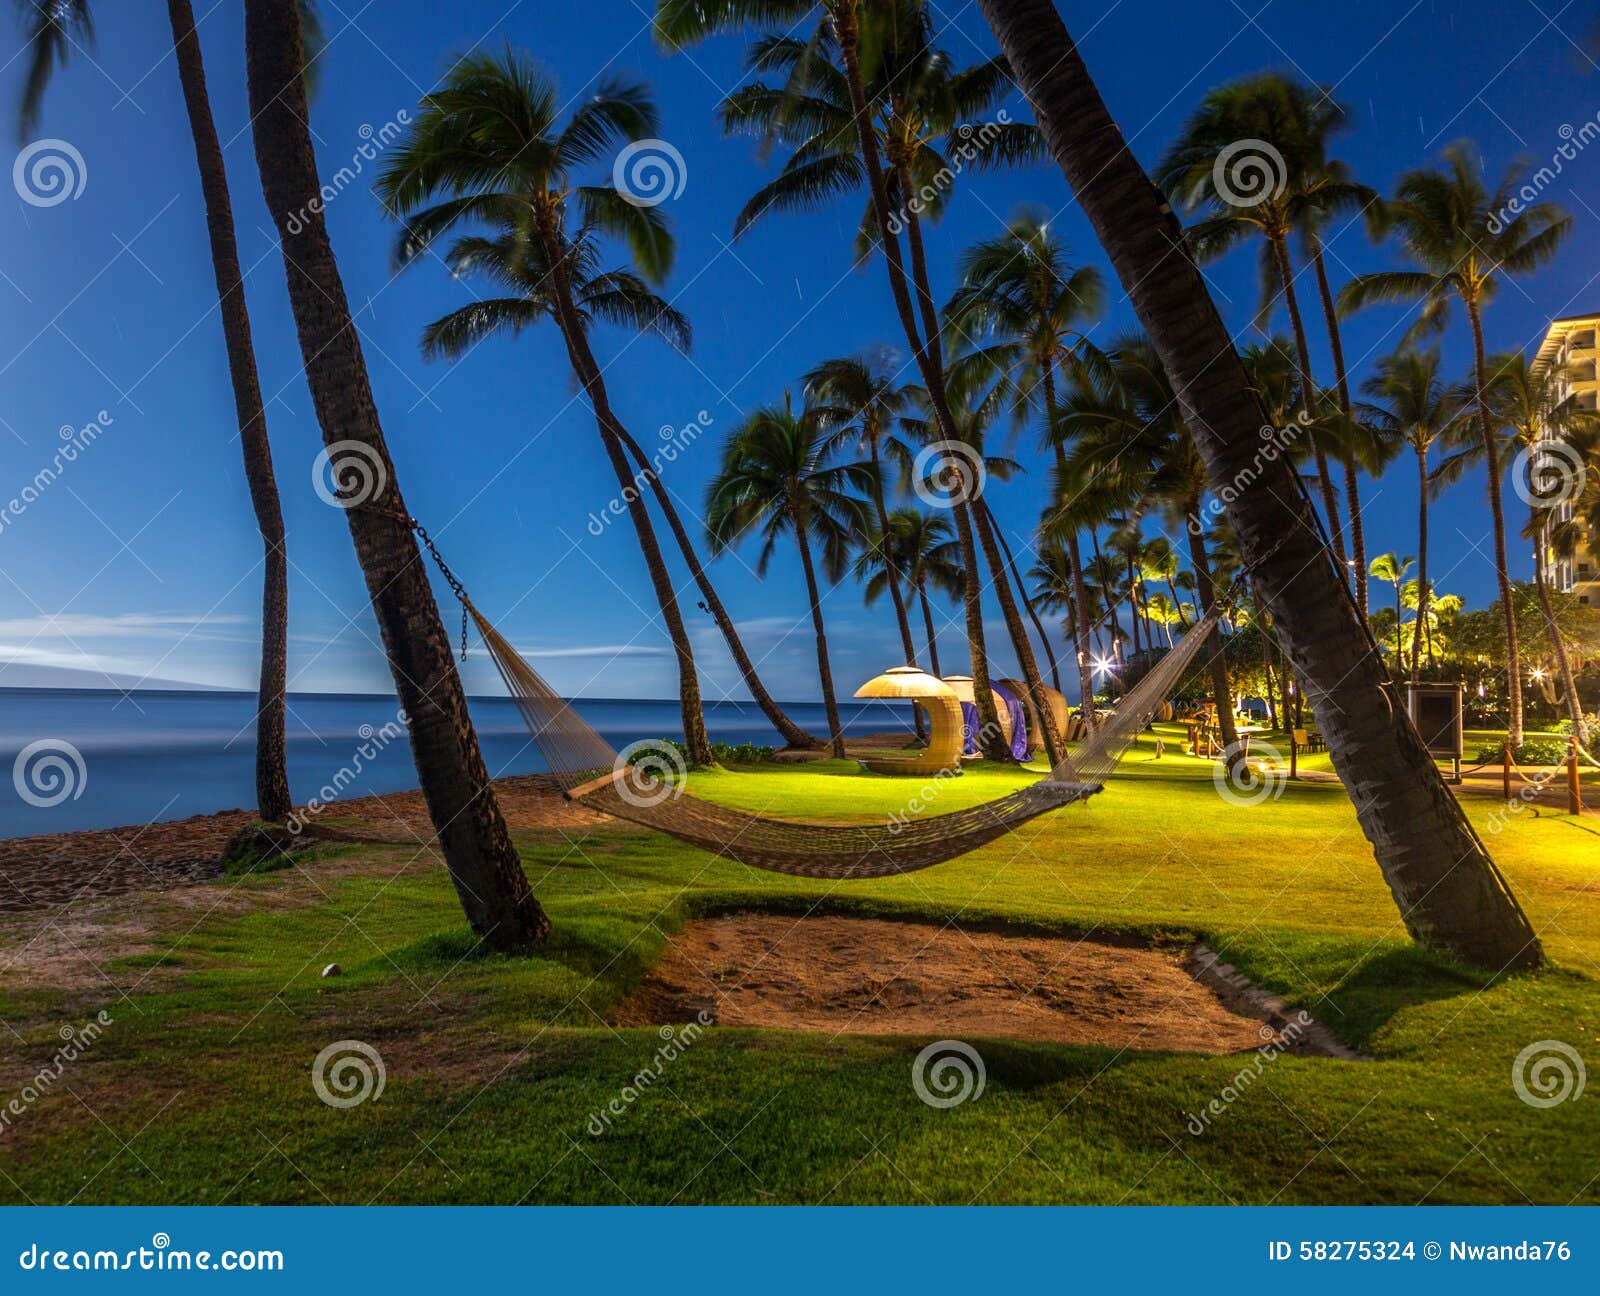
(1234, 988)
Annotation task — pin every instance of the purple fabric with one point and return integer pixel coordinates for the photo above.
(1019, 722)
(969, 727)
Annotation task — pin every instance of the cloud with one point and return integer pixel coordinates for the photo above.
(89, 625)
(597, 650)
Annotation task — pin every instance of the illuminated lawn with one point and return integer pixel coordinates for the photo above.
(201, 1089)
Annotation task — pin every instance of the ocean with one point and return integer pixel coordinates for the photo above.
(90, 758)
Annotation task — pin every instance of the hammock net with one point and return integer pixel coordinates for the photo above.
(642, 787)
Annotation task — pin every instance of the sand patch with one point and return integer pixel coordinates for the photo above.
(870, 976)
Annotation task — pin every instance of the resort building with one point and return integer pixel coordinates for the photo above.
(1569, 348)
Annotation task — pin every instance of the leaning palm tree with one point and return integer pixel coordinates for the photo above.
(1412, 408)
(487, 149)
(1218, 165)
(1019, 315)
(867, 98)
(1454, 231)
(54, 29)
(1446, 886)
(1392, 569)
(775, 478)
(472, 833)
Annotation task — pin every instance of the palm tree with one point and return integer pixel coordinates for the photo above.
(925, 554)
(1432, 608)
(485, 149)
(1130, 436)
(898, 107)
(1394, 569)
(975, 412)
(1450, 228)
(1165, 613)
(472, 833)
(1018, 314)
(53, 28)
(858, 401)
(1414, 409)
(775, 478)
(1539, 419)
(1444, 882)
(514, 265)
(1206, 168)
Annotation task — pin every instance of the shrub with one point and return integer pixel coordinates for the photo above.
(1536, 751)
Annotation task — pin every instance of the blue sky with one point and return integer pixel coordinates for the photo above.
(141, 558)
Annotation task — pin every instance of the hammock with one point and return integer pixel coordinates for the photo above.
(645, 790)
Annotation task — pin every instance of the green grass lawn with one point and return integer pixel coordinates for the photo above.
(200, 1089)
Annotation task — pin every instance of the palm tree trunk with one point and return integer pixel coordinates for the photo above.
(1447, 888)
(927, 626)
(1558, 643)
(791, 733)
(990, 737)
(847, 33)
(892, 576)
(1399, 638)
(919, 270)
(273, 802)
(1205, 590)
(1022, 594)
(1053, 747)
(473, 837)
(1291, 299)
(589, 375)
(1422, 561)
(1352, 489)
(1502, 571)
(824, 670)
(1080, 601)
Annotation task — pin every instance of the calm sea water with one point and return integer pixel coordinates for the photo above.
(160, 755)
